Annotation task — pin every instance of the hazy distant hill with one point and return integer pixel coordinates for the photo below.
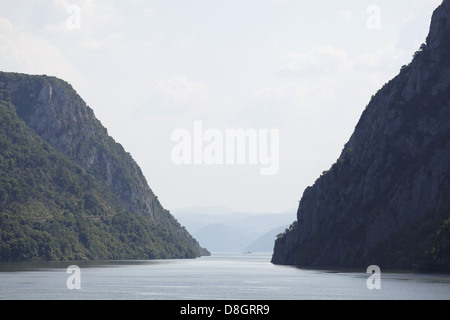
(221, 238)
(241, 228)
(67, 189)
(266, 242)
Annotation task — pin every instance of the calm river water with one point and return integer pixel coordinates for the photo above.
(219, 277)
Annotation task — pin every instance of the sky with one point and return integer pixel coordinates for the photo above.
(171, 79)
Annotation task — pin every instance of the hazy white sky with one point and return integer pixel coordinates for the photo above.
(148, 68)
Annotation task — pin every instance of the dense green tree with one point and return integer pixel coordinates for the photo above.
(51, 208)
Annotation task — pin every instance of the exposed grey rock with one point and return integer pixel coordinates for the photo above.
(62, 118)
(386, 198)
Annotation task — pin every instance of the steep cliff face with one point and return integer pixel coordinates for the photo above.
(67, 189)
(58, 115)
(386, 200)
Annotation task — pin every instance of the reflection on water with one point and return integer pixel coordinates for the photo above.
(221, 276)
(47, 265)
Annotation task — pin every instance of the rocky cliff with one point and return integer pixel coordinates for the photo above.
(386, 201)
(63, 177)
(58, 115)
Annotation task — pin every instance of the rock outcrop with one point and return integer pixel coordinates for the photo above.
(58, 115)
(67, 189)
(386, 200)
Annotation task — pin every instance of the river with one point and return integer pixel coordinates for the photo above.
(224, 276)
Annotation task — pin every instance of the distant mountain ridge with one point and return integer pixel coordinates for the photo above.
(67, 189)
(386, 201)
(222, 229)
(222, 238)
